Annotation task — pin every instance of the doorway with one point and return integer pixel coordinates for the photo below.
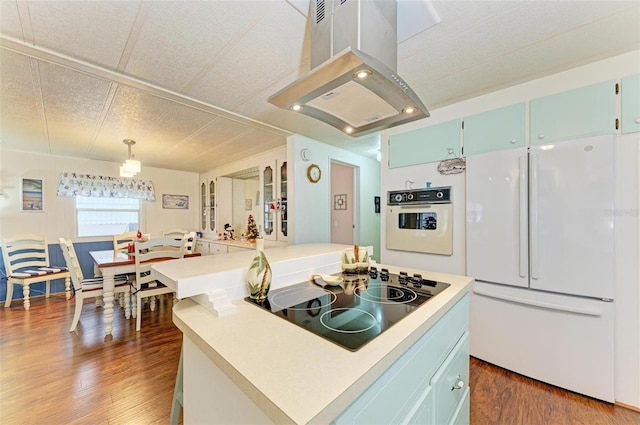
(343, 203)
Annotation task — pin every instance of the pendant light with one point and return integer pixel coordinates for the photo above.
(131, 166)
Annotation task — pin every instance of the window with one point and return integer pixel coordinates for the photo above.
(106, 216)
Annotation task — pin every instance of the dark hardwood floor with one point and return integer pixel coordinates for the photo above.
(51, 376)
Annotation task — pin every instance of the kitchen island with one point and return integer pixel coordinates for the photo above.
(252, 367)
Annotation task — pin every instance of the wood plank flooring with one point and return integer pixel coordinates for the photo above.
(51, 376)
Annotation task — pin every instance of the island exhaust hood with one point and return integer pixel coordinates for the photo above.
(353, 84)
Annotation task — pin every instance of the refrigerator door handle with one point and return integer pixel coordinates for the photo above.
(537, 303)
(523, 216)
(533, 215)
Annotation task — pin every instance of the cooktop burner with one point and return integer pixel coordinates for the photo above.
(356, 311)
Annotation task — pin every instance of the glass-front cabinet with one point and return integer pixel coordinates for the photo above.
(282, 217)
(207, 205)
(212, 206)
(274, 209)
(269, 207)
(203, 209)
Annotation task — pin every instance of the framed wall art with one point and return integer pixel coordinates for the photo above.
(180, 202)
(31, 195)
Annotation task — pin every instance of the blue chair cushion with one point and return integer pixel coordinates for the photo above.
(40, 271)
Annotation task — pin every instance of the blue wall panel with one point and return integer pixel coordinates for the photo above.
(57, 259)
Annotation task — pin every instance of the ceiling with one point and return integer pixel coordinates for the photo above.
(188, 80)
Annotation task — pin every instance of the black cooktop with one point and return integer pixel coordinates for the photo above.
(356, 311)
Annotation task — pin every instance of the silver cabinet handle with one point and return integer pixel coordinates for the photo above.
(458, 385)
(637, 120)
(540, 136)
(513, 141)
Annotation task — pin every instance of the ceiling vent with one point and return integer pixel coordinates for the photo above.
(353, 84)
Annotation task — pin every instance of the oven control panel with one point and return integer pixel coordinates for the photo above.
(434, 195)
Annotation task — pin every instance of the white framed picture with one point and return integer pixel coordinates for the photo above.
(31, 194)
(179, 202)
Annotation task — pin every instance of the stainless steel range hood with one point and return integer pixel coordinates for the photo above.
(353, 84)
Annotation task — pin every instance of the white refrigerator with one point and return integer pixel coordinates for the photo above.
(540, 244)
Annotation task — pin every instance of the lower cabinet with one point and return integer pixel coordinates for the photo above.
(427, 385)
(205, 247)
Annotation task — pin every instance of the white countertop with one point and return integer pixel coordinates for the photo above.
(302, 378)
(293, 263)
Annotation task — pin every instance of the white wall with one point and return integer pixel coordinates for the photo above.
(310, 203)
(627, 303)
(58, 218)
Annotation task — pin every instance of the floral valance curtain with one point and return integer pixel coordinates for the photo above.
(73, 184)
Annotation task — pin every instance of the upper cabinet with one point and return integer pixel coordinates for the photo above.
(586, 111)
(207, 205)
(274, 188)
(428, 144)
(631, 104)
(495, 130)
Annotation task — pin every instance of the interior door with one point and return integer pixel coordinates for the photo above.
(342, 203)
(497, 217)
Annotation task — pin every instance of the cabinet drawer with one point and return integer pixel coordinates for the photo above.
(451, 381)
(236, 249)
(218, 249)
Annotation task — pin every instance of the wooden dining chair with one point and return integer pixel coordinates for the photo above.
(90, 288)
(26, 261)
(189, 242)
(174, 233)
(189, 238)
(145, 286)
(121, 242)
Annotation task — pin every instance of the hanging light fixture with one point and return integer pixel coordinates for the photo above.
(131, 166)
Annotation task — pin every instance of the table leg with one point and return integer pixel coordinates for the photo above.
(25, 295)
(107, 298)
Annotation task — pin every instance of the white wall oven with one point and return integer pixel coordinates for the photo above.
(420, 220)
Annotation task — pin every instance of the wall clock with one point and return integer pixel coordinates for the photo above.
(314, 173)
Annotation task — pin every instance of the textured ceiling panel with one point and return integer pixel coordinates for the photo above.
(73, 102)
(172, 131)
(558, 52)
(10, 19)
(456, 17)
(235, 54)
(20, 123)
(218, 24)
(95, 31)
(133, 114)
(272, 48)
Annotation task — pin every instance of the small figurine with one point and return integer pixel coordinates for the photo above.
(228, 232)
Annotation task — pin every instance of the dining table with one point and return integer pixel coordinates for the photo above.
(110, 263)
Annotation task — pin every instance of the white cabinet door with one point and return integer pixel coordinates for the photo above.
(207, 192)
(275, 203)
